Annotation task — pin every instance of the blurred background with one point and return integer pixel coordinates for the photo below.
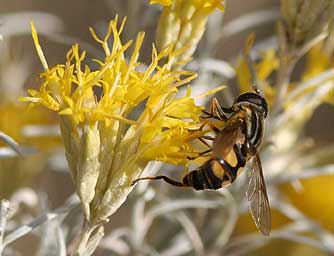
(158, 219)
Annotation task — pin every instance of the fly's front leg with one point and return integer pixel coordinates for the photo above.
(203, 153)
(217, 111)
(214, 108)
(203, 139)
(208, 123)
(209, 115)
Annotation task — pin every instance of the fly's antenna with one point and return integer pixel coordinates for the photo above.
(255, 89)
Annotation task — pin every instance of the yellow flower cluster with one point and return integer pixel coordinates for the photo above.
(317, 60)
(117, 117)
(207, 5)
(183, 22)
(71, 91)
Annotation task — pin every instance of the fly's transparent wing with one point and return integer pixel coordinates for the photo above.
(258, 198)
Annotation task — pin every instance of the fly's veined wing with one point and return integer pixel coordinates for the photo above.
(224, 142)
(258, 198)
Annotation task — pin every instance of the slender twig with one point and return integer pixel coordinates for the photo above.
(174, 205)
(306, 85)
(10, 142)
(282, 82)
(115, 242)
(4, 214)
(245, 244)
(231, 221)
(27, 228)
(94, 242)
(138, 226)
(213, 65)
(305, 174)
(326, 239)
(191, 232)
(180, 246)
(61, 244)
(247, 21)
(250, 64)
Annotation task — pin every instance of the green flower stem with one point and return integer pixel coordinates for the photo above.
(80, 244)
(116, 193)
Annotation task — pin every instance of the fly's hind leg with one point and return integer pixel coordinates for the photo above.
(174, 182)
(161, 177)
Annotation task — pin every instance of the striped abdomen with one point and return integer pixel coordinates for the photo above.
(214, 174)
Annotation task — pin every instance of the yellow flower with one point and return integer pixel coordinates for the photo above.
(305, 99)
(16, 120)
(15, 117)
(162, 2)
(209, 5)
(116, 118)
(317, 61)
(183, 22)
(19, 171)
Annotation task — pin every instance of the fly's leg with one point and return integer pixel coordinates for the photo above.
(217, 111)
(161, 177)
(199, 154)
(209, 115)
(202, 140)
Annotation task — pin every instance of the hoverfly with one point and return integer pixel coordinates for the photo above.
(236, 143)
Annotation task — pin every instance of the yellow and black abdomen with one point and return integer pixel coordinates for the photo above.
(214, 174)
(203, 178)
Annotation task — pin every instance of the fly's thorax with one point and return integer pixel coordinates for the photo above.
(253, 121)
